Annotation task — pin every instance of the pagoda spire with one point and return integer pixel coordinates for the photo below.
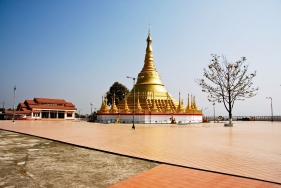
(139, 109)
(167, 107)
(126, 108)
(149, 60)
(154, 107)
(114, 109)
(105, 107)
(194, 103)
(188, 107)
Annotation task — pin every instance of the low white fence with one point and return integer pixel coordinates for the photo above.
(245, 118)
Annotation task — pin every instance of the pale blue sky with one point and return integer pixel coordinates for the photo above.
(75, 50)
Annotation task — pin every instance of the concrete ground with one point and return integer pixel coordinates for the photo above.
(206, 155)
(28, 161)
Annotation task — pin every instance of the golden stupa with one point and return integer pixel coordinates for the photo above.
(151, 97)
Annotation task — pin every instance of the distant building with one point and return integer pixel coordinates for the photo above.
(43, 108)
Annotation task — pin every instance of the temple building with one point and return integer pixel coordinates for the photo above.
(43, 108)
(153, 103)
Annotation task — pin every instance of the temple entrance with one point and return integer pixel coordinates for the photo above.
(53, 114)
(45, 114)
(61, 114)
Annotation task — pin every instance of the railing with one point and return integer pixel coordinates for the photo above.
(245, 118)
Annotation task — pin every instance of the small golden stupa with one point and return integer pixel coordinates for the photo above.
(151, 97)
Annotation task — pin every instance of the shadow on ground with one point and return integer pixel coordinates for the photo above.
(27, 161)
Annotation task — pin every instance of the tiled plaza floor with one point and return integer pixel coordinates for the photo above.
(166, 176)
(249, 149)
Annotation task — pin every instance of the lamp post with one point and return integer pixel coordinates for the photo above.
(91, 107)
(14, 102)
(133, 127)
(214, 104)
(3, 105)
(271, 108)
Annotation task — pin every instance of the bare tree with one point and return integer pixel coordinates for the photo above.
(231, 82)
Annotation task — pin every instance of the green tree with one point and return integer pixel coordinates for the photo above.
(231, 82)
(93, 117)
(117, 89)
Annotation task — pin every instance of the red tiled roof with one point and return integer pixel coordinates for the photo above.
(17, 112)
(50, 101)
(46, 103)
(69, 104)
(22, 105)
(30, 102)
(52, 107)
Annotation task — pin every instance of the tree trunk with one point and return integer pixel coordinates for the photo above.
(230, 114)
(230, 110)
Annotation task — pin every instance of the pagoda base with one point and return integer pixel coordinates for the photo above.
(149, 118)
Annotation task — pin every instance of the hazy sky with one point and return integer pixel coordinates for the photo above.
(75, 50)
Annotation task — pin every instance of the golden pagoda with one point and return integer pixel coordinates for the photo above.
(151, 97)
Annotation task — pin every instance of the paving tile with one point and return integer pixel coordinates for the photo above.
(172, 176)
(247, 149)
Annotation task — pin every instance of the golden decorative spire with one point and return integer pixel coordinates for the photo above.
(158, 105)
(194, 103)
(126, 108)
(188, 107)
(114, 109)
(191, 101)
(180, 108)
(168, 107)
(105, 107)
(179, 105)
(149, 77)
(148, 61)
(139, 109)
(102, 103)
(154, 107)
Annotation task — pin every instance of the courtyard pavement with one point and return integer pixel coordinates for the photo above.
(246, 155)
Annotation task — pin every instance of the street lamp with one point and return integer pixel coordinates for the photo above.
(271, 108)
(133, 127)
(91, 107)
(3, 105)
(14, 102)
(214, 112)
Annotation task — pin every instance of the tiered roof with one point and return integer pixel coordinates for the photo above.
(49, 101)
(46, 103)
